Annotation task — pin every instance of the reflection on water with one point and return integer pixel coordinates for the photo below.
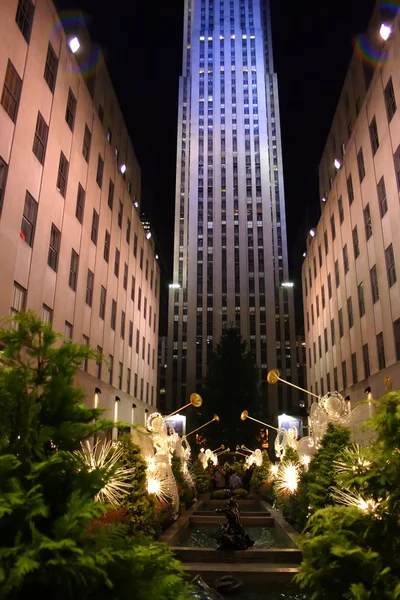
(201, 536)
(267, 591)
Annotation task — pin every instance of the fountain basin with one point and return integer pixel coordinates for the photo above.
(199, 534)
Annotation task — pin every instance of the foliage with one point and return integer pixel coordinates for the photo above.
(51, 544)
(260, 474)
(165, 515)
(200, 477)
(316, 484)
(221, 494)
(238, 466)
(141, 506)
(230, 386)
(353, 550)
(185, 491)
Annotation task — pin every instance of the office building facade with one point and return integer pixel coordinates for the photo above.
(72, 245)
(350, 274)
(230, 253)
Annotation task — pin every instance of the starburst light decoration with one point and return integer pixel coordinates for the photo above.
(274, 471)
(351, 498)
(287, 478)
(353, 460)
(105, 457)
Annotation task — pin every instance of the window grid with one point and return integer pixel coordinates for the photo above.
(11, 92)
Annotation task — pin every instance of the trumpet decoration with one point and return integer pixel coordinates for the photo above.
(216, 418)
(195, 400)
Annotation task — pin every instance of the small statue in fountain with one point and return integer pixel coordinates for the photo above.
(231, 535)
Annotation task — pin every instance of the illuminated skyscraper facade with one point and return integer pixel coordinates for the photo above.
(230, 253)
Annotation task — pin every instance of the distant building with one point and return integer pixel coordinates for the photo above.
(230, 254)
(350, 288)
(72, 245)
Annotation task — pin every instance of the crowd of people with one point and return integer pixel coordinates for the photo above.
(223, 478)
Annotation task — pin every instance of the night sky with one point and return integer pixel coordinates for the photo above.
(313, 41)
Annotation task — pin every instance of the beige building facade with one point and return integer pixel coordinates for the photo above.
(350, 275)
(72, 245)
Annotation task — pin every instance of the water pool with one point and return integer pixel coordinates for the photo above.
(201, 536)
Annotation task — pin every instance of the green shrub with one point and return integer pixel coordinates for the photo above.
(51, 542)
(238, 466)
(260, 474)
(315, 485)
(200, 477)
(140, 505)
(185, 491)
(218, 495)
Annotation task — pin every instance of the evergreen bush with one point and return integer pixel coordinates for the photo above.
(200, 477)
(50, 546)
(185, 491)
(260, 474)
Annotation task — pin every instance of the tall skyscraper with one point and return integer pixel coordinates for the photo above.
(230, 255)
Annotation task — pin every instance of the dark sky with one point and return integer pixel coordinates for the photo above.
(142, 40)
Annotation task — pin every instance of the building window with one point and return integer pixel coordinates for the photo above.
(341, 328)
(374, 284)
(102, 310)
(135, 385)
(116, 262)
(320, 255)
(130, 337)
(354, 368)
(361, 301)
(87, 142)
(145, 308)
(101, 113)
(110, 194)
(326, 339)
(62, 176)
(345, 259)
(329, 286)
(51, 67)
(128, 231)
(333, 331)
(3, 179)
(333, 228)
(70, 110)
(18, 302)
(113, 315)
(323, 296)
(137, 341)
(356, 244)
(350, 312)
(89, 287)
(396, 334)
(99, 361)
(367, 368)
(29, 217)
(390, 266)
(337, 274)
(335, 379)
(390, 100)
(123, 317)
(373, 134)
(100, 170)
(85, 361)
(367, 222)
(143, 347)
(326, 242)
(40, 139)
(68, 331)
(47, 314)
(95, 227)
(135, 241)
(140, 298)
(54, 248)
(141, 258)
(382, 197)
(110, 368)
(128, 381)
(125, 276)
(109, 135)
(11, 92)
(308, 322)
(341, 211)
(360, 164)
(120, 213)
(80, 203)
(344, 374)
(381, 351)
(350, 190)
(24, 18)
(396, 159)
(106, 252)
(73, 270)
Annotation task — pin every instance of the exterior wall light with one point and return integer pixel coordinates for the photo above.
(337, 164)
(123, 168)
(74, 44)
(148, 235)
(312, 232)
(174, 286)
(287, 284)
(385, 31)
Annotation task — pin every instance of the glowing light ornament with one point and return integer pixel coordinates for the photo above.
(159, 467)
(273, 470)
(287, 478)
(305, 460)
(354, 460)
(255, 458)
(366, 505)
(105, 457)
(204, 457)
(183, 450)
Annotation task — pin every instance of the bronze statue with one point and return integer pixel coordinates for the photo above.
(231, 535)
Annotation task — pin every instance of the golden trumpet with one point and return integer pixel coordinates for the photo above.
(245, 415)
(195, 400)
(216, 418)
(274, 376)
